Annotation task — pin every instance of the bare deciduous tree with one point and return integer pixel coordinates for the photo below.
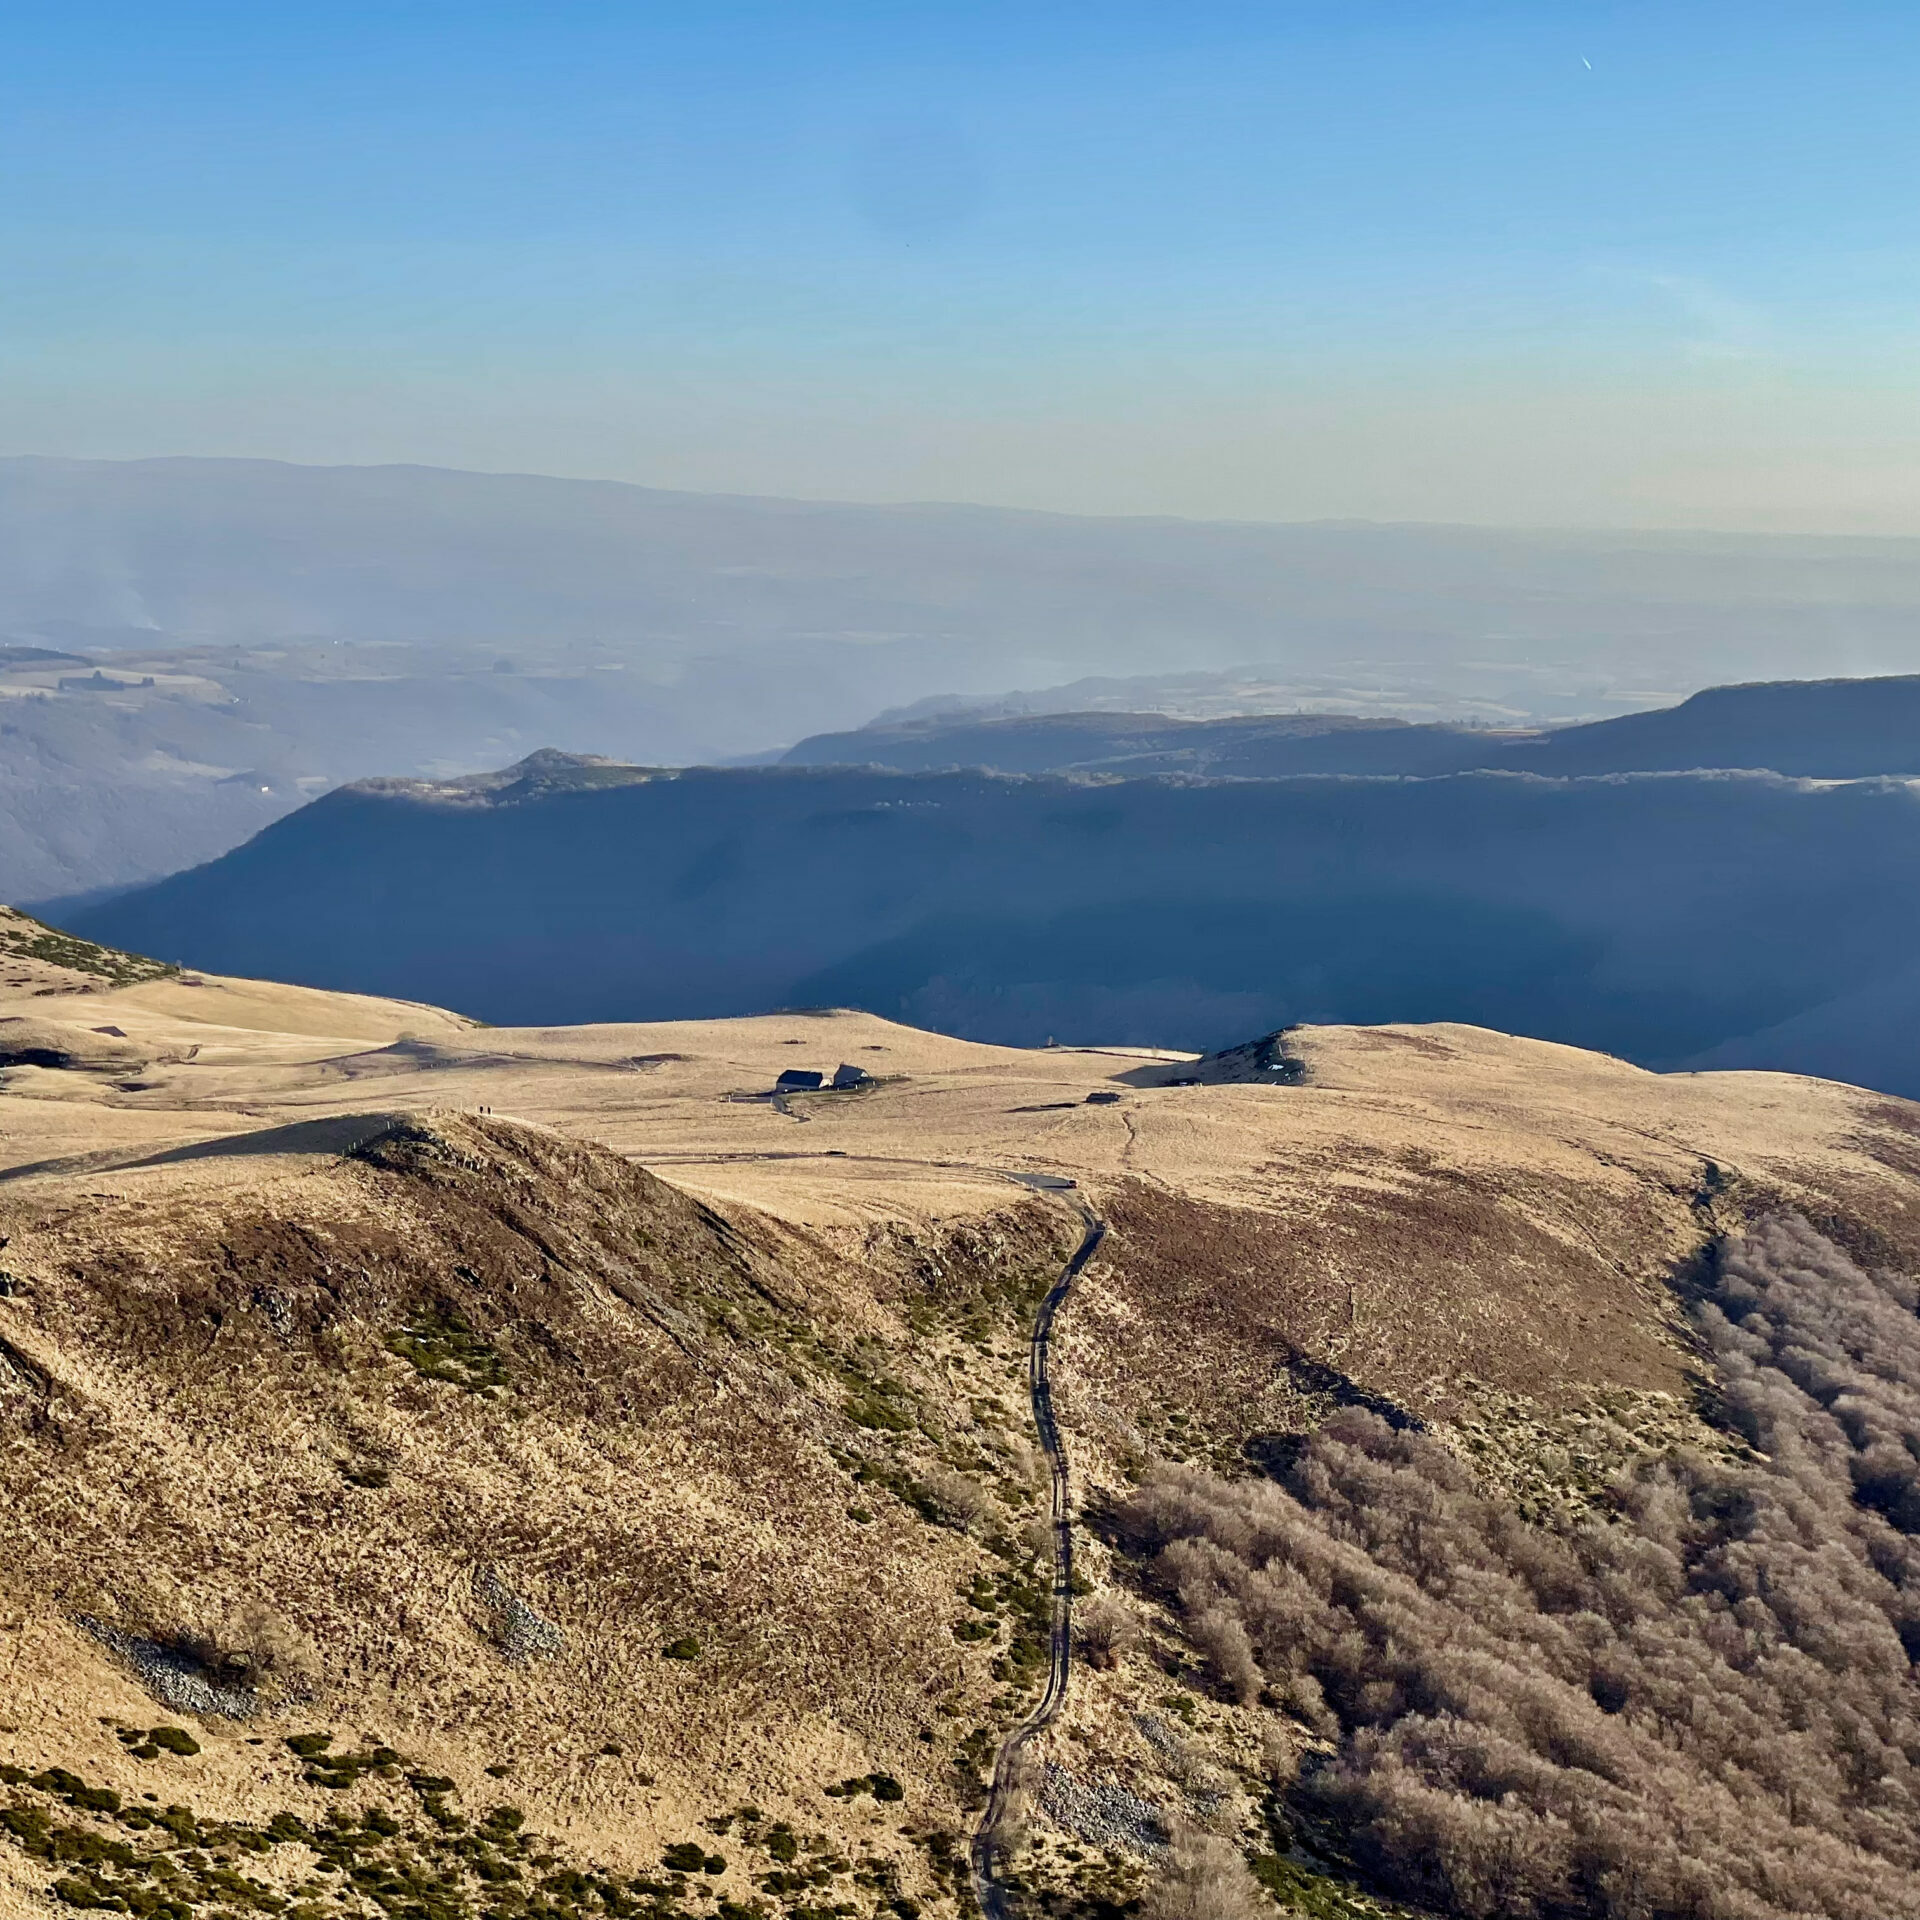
(1705, 1707)
(1105, 1631)
(963, 1502)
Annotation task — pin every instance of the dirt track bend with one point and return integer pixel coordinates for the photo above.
(985, 1856)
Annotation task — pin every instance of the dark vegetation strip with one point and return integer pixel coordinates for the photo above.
(427, 1861)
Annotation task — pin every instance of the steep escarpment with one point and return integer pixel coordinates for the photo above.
(1160, 912)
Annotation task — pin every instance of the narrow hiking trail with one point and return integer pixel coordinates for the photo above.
(985, 1859)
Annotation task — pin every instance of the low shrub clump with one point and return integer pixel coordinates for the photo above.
(883, 1786)
(1205, 1880)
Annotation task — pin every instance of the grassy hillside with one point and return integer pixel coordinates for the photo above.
(589, 1498)
(37, 958)
(1491, 1475)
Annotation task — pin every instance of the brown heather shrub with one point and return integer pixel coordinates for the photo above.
(1205, 1880)
(1704, 1709)
(962, 1503)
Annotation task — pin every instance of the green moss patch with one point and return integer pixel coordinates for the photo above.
(438, 1344)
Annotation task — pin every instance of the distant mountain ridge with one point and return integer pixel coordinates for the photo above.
(1656, 916)
(1821, 729)
(306, 626)
(246, 550)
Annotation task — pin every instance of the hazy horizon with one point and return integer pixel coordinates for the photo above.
(1677, 531)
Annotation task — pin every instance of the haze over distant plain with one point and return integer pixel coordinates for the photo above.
(269, 630)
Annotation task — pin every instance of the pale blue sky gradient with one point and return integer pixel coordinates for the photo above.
(1554, 263)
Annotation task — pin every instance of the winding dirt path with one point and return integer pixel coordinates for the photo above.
(985, 1859)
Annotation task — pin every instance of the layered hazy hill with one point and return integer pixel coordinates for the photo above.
(1764, 920)
(191, 647)
(1826, 729)
(528, 1472)
(129, 764)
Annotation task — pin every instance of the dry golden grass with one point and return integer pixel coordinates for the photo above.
(330, 1423)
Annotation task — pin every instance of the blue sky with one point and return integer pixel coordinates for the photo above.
(1546, 263)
